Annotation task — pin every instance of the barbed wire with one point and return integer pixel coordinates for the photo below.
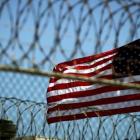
(53, 33)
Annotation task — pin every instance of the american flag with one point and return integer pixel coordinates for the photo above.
(73, 99)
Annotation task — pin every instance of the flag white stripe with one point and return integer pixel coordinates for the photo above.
(73, 89)
(61, 81)
(85, 88)
(95, 108)
(111, 94)
(90, 63)
(64, 81)
(85, 71)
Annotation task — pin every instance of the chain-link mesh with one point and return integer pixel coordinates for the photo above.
(39, 34)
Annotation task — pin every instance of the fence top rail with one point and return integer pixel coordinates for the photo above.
(70, 76)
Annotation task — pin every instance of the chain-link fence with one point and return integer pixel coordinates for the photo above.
(39, 34)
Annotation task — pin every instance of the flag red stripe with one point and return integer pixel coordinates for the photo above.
(94, 114)
(68, 85)
(52, 80)
(90, 66)
(93, 73)
(94, 103)
(85, 93)
(86, 59)
(75, 84)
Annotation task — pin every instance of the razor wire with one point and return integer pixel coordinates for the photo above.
(62, 28)
(26, 112)
(35, 35)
